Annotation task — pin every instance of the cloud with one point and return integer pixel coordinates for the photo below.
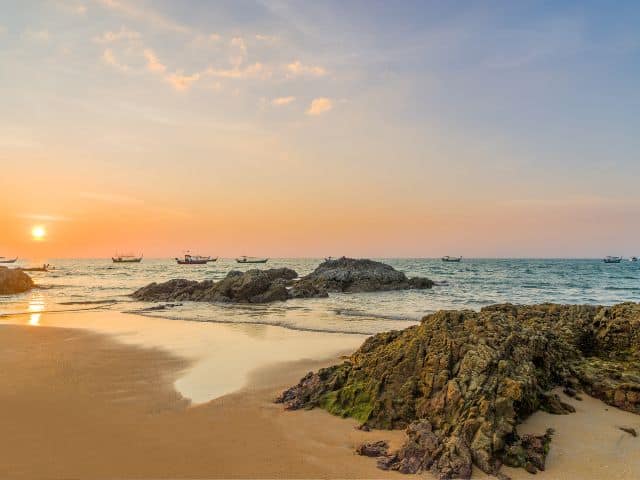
(182, 82)
(282, 101)
(122, 34)
(75, 8)
(110, 59)
(238, 51)
(257, 70)
(144, 14)
(296, 68)
(153, 64)
(267, 38)
(3, 29)
(214, 37)
(43, 218)
(319, 106)
(37, 35)
(109, 198)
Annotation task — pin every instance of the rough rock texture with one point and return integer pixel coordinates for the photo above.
(352, 275)
(461, 381)
(252, 286)
(14, 281)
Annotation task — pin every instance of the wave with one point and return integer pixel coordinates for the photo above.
(89, 302)
(357, 313)
(97, 307)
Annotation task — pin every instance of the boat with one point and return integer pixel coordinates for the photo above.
(194, 260)
(44, 268)
(126, 259)
(610, 259)
(8, 260)
(447, 258)
(245, 259)
(634, 259)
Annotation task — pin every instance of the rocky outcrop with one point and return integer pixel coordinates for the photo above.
(461, 381)
(14, 281)
(252, 286)
(358, 275)
(261, 286)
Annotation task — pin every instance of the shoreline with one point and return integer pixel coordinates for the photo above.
(76, 402)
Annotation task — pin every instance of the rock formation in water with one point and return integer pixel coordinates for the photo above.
(14, 281)
(461, 381)
(358, 275)
(252, 286)
(261, 286)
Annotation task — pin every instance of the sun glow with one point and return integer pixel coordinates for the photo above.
(38, 232)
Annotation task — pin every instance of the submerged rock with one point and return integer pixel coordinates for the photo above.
(14, 281)
(461, 381)
(359, 275)
(252, 286)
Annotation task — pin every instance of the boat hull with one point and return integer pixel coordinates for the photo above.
(126, 260)
(12, 260)
(192, 262)
(252, 261)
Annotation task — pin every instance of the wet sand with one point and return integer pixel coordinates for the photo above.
(78, 404)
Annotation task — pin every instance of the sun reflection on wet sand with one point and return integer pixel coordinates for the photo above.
(36, 305)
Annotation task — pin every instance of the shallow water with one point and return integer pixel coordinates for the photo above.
(473, 283)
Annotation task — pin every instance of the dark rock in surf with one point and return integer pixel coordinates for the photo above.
(461, 381)
(373, 449)
(14, 281)
(358, 275)
(252, 286)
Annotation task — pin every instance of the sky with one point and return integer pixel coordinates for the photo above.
(293, 129)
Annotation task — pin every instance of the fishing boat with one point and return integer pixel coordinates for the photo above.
(8, 260)
(447, 258)
(634, 259)
(126, 259)
(245, 259)
(44, 268)
(194, 260)
(610, 259)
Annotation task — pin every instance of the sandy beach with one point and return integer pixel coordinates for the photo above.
(79, 404)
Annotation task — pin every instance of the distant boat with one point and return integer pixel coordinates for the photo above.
(610, 259)
(634, 259)
(244, 259)
(447, 258)
(126, 259)
(194, 260)
(8, 260)
(44, 268)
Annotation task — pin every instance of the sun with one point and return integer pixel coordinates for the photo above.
(38, 232)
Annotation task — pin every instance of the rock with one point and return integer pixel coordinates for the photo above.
(252, 286)
(373, 449)
(461, 381)
(14, 281)
(631, 431)
(358, 275)
(570, 392)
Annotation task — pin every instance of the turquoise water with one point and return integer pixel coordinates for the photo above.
(472, 284)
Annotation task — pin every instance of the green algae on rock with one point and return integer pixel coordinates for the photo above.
(461, 381)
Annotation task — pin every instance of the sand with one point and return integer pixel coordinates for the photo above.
(78, 404)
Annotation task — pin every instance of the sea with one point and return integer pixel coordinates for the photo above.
(91, 284)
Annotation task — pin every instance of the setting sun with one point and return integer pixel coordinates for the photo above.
(38, 232)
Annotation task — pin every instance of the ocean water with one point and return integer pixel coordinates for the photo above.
(83, 284)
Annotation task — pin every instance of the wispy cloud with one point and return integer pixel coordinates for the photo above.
(266, 38)
(282, 101)
(182, 82)
(257, 70)
(153, 64)
(297, 68)
(122, 34)
(43, 217)
(238, 51)
(319, 106)
(109, 198)
(3, 29)
(144, 14)
(110, 59)
(37, 35)
(75, 8)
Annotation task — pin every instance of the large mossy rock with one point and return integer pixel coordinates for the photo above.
(358, 275)
(14, 281)
(461, 381)
(252, 286)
